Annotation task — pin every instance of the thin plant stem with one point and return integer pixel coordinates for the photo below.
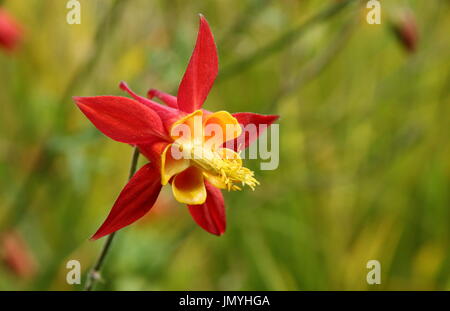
(280, 42)
(94, 275)
(316, 66)
(249, 14)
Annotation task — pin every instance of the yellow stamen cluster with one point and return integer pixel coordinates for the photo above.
(229, 170)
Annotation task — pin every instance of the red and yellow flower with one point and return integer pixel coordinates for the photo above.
(204, 166)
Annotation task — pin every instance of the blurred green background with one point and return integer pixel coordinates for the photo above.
(364, 149)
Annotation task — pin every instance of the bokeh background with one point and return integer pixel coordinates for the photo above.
(364, 149)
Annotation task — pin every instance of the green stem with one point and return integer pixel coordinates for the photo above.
(316, 66)
(281, 42)
(250, 13)
(94, 274)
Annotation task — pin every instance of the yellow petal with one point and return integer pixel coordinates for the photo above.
(188, 129)
(215, 180)
(189, 187)
(171, 165)
(220, 127)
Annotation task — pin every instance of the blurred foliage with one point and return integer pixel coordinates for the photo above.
(364, 151)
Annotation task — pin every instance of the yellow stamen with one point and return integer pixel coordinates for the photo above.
(219, 163)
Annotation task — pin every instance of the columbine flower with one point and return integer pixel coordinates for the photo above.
(204, 165)
(10, 32)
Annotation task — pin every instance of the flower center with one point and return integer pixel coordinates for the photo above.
(224, 164)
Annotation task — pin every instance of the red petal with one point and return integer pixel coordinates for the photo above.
(121, 118)
(201, 71)
(210, 215)
(168, 115)
(135, 200)
(168, 99)
(153, 151)
(246, 118)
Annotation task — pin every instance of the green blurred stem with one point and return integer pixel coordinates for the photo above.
(250, 13)
(281, 42)
(317, 65)
(94, 274)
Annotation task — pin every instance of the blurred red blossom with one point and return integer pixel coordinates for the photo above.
(405, 29)
(16, 254)
(10, 32)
